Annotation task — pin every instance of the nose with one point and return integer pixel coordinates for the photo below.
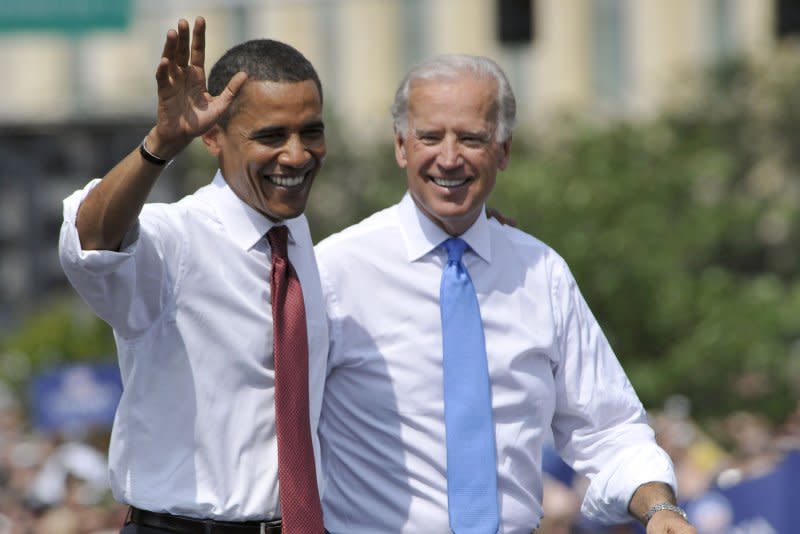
(294, 153)
(449, 156)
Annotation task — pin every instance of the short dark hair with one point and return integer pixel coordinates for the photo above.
(262, 60)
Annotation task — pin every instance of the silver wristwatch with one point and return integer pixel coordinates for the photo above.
(664, 506)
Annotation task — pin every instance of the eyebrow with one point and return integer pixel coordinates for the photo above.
(271, 130)
(482, 132)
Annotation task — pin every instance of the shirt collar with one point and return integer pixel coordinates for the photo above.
(421, 235)
(245, 225)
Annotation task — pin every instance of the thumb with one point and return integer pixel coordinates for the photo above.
(234, 86)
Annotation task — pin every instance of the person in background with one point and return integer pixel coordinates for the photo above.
(214, 300)
(457, 343)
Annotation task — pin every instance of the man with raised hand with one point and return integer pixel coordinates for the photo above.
(214, 300)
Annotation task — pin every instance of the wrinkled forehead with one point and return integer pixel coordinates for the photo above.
(454, 99)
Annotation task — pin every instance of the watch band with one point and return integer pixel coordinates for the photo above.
(664, 506)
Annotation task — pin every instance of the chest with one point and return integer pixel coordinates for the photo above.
(393, 337)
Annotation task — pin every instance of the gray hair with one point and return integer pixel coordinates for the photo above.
(452, 67)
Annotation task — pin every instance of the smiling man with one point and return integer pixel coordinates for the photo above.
(222, 351)
(458, 344)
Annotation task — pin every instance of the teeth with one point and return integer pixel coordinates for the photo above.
(449, 183)
(286, 181)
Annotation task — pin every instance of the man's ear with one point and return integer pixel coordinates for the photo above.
(505, 153)
(213, 139)
(400, 150)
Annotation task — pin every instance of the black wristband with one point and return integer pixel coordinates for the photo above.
(150, 157)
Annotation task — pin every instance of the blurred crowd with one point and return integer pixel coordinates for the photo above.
(56, 483)
(53, 483)
(740, 447)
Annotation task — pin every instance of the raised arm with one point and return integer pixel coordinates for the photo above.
(185, 111)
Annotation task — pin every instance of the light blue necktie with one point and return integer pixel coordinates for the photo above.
(471, 465)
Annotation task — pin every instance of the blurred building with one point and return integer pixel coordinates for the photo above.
(79, 89)
(609, 55)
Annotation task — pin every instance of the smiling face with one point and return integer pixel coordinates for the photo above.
(273, 146)
(450, 151)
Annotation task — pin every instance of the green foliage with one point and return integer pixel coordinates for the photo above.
(62, 330)
(683, 233)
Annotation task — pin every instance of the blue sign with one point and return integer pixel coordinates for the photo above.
(766, 504)
(76, 398)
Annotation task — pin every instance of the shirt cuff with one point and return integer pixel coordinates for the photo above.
(607, 497)
(98, 262)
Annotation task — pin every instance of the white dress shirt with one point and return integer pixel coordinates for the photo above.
(382, 424)
(188, 298)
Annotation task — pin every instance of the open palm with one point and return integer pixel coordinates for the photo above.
(185, 107)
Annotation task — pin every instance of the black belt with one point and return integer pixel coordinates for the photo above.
(189, 525)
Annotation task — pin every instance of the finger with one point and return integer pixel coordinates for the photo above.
(162, 74)
(224, 99)
(167, 66)
(220, 103)
(235, 85)
(170, 45)
(182, 52)
(199, 43)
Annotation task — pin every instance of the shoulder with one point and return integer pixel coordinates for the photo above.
(171, 226)
(531, 253)
(378, 226)
(162, 218)
(522, 243)
(192, 207)
(352, 258)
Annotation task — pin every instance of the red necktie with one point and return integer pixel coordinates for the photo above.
(301, 512)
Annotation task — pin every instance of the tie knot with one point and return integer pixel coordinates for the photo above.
(455, 248)
(277, 237)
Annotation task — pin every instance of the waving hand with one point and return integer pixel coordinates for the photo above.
(185, 107)
(185, 110)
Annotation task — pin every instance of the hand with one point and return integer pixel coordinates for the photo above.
(664, 521)
(185, 107)
(502, 219)
(668, 522)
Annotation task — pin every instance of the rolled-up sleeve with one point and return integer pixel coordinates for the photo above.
(611, 489)
(600, 426)
(128, 288)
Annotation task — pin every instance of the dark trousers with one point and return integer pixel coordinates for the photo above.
(132, 528)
